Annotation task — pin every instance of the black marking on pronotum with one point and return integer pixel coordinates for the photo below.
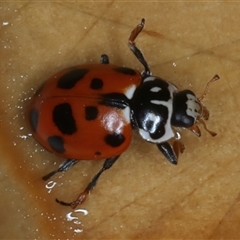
(156, 127)
(56, 143)
(160, 132)
(114, 139)
(116, 100)
(96, 84)
(64, 119)
(153, 122)
(157, 130)
(146, 90)
(125, 70)
(69, 80)
(33, 119)
(91, 113)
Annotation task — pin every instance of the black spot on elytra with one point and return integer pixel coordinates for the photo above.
(125, 70)
(96, 83)
(114, 139)
(33, 119)
(56, 143)
(97, 153)
(63, 118)
(91, 113)
(68, 80)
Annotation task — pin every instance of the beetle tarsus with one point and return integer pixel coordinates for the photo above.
(178, 147)
(82, 196)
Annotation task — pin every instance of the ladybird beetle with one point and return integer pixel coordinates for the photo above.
(89, 111)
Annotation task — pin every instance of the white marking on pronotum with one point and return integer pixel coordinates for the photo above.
(168, 135)
(157, 102)
(167, 104)
(130, 91)
(149, 79)
(155, 89)
(172, 88)
(126, 114)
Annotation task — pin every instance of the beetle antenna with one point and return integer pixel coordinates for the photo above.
(215, 78)
(136, 51)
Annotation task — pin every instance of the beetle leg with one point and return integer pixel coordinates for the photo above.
(136, 51)
(82, 196)
(178, 147)
(205, 127)
(63, 167)
(195, 129)
(168, 152)
(104, 59)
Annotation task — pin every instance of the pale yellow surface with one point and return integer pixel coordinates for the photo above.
(142, 196)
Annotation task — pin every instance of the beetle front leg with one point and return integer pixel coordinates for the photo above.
(168, 151)
(178, 147)
(195, 129)
(136, 51)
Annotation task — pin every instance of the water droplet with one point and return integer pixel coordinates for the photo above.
(50, 185)
(178, 136)
(72, 216)
(5, 23)
(84, 211)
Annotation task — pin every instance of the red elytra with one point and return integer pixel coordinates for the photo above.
(74, 105)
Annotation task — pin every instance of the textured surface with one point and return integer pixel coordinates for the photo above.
(142, 196)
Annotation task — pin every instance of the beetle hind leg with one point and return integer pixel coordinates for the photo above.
(82, 196)
(62, 168)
